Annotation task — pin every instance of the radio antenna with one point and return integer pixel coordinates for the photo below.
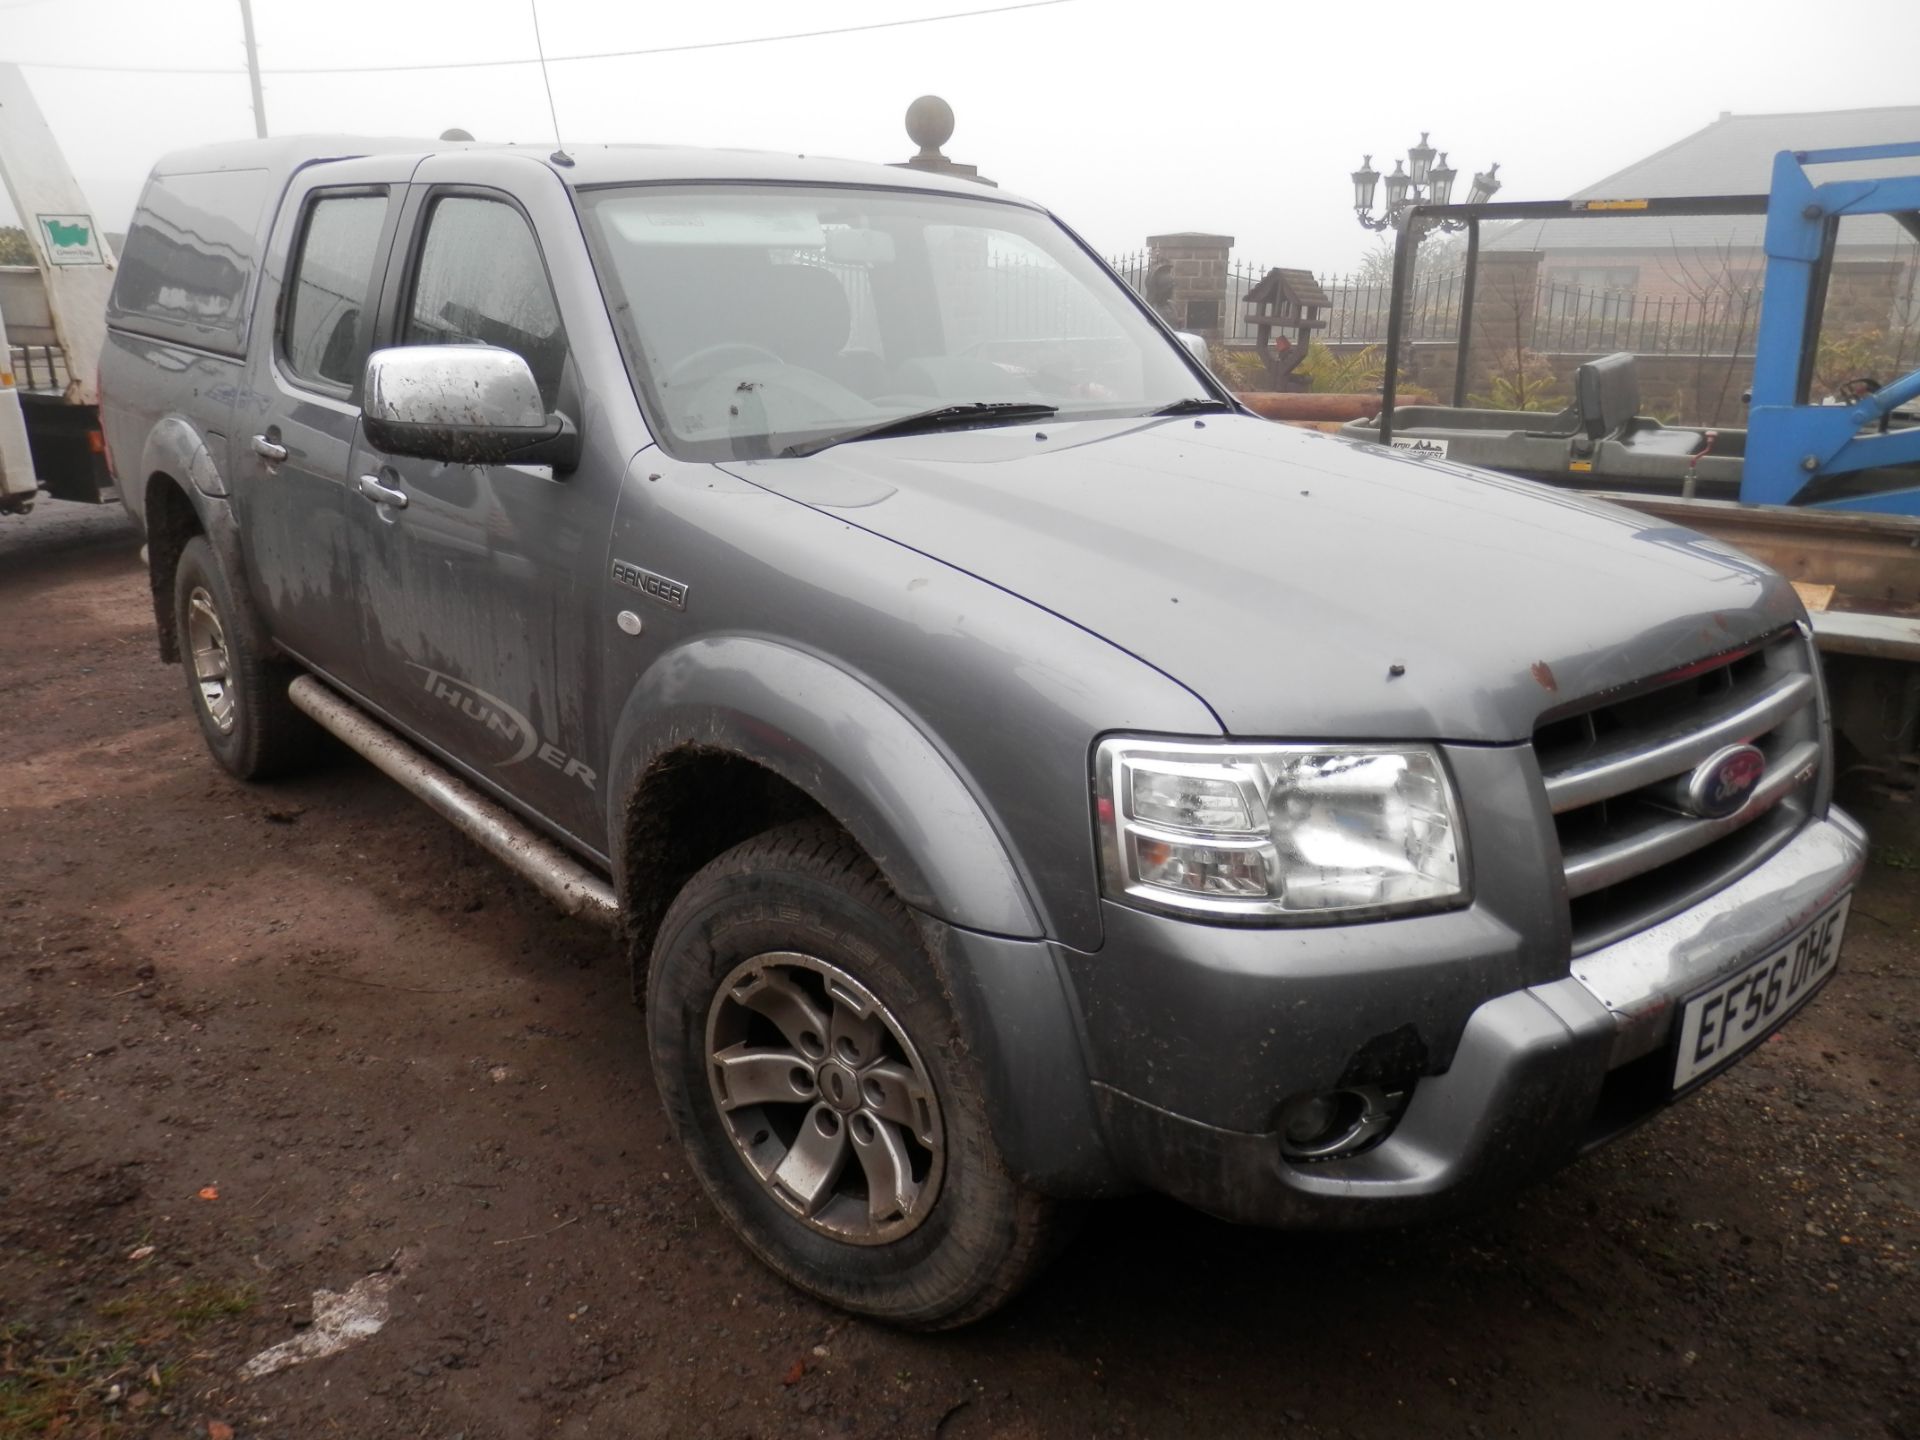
(559, 156)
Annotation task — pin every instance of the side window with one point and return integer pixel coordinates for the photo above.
(324, 330)
(188, 261)
(481, 281)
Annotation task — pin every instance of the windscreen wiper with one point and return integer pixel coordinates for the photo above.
(1193, 406)
(940, 417)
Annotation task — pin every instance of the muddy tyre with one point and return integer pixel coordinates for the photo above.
(239, 697)
(811, 1067)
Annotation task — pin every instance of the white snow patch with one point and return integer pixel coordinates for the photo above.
(339, 1320)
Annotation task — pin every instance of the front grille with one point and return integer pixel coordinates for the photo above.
(1632, 856)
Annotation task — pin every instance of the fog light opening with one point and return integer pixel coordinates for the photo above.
(1335, 1123)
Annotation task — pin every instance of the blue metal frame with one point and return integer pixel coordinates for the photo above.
(1790, 442)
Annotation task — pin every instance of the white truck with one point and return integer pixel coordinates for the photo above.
(52, 319)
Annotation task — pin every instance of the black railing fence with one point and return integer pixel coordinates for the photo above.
(1133, 267)
(1569, 319)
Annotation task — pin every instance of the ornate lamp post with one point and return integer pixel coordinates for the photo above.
(1421, 182)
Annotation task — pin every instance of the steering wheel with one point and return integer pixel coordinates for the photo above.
(707, 362)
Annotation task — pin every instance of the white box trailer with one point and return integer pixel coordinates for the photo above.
(53, 317)
(18, 483)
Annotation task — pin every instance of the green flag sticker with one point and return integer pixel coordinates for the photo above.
(70, 239)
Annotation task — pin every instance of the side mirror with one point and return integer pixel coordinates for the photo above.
(463, 405)
(1196, 346)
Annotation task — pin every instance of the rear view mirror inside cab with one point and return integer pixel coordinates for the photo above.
(853, 246)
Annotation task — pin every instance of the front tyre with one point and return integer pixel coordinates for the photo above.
(238, 696)
(811, 1066)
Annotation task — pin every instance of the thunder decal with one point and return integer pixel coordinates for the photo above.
(497, 717)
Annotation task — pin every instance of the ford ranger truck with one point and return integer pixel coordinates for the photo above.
(1016, 774)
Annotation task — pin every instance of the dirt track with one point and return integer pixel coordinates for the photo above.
(317, 1004)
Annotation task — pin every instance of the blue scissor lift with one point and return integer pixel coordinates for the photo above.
(1791, 443)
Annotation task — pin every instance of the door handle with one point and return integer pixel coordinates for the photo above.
(380, 494)
(267, 450)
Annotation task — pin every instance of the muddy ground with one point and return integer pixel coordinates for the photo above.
(256, 1043)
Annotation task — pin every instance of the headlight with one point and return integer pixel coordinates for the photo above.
(1278, 832)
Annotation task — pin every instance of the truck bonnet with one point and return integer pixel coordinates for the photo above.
(1300, 584)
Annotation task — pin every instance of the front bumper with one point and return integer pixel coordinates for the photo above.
(1538, 1074)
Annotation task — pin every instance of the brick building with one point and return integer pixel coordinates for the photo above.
(1732, 156)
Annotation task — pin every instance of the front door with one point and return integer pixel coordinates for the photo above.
(479, 580)
(294, 427)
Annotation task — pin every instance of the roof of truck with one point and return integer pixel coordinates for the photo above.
(210, 209)
(592, 164)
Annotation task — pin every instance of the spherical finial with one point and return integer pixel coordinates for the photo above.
(929, 123)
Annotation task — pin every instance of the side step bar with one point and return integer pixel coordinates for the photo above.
(509, 839)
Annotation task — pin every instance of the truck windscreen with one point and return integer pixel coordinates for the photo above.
(764, 318)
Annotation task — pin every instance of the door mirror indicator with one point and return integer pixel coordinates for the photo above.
(463, 405)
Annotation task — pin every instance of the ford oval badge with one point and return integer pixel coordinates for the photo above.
(1724, 781)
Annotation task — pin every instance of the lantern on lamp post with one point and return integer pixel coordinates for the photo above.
(1416, 181)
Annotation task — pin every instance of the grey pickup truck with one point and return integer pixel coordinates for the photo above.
(1016, 774)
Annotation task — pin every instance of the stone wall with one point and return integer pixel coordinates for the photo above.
(1195, 264)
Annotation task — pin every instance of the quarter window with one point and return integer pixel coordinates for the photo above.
(188, 261)
(481, 281)
(325, 335)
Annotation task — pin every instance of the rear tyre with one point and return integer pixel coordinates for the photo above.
(812, 1068)
(238, 696)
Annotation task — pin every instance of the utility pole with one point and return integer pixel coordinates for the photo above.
(253, 70)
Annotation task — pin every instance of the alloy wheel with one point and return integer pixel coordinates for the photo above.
(212, 666)
(825, 1097)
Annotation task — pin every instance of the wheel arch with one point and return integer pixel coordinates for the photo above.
(171, 521)
(740, 718)
(185, 495)
(826, 741)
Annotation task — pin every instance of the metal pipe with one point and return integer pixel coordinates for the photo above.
(1303, 405)
(1465, 343)
(551, 871)
(1406, 243)
(253, 70)
(1651, 207)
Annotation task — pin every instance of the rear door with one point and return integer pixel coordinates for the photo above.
(483, 589)
(293, 433)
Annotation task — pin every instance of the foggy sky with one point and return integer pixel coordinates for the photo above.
(1127, 118)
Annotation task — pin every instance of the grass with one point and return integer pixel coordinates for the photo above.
(53, 1387)
(106, 1383)
(183, 1311)
(1896, 857)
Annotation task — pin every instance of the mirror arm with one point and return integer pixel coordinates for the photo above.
(559, 448)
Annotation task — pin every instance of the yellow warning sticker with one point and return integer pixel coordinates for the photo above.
(1609, 204)
(1579, 465)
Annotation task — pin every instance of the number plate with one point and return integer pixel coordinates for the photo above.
(1743, 1009)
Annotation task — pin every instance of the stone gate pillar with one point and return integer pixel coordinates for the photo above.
(1197, 267)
